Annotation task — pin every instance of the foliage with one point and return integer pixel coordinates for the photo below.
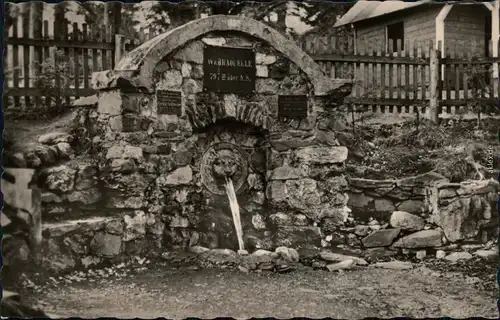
(478, 77)
(459, 151)
(53, 68)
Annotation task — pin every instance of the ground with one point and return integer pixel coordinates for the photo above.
(159, 290)
(24, 133)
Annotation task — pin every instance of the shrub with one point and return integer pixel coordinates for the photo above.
(52, 81)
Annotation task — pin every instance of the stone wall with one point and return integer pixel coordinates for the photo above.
(143, 191)
(425, 211)
(148, 183)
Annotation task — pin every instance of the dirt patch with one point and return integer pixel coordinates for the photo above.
(23, 134)
(161, 291)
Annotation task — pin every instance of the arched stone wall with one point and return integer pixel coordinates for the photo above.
(143, 59)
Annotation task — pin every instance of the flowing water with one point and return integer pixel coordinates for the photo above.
(235, 211)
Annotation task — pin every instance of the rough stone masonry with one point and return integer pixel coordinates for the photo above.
(148, 186)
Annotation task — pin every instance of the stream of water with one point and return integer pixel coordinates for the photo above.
(235, 211)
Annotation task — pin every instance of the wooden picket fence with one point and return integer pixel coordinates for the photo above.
(83, 50)
(399, 78)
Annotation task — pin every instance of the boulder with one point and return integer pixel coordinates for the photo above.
(55, 257)
(384, 205)
(457, 220)
(460, 216)
(420, 239)
(258, 222)
(303, 194)
(220, 256)
(284, 173)
(88, 196)
(55, 138)
(60, 179)
(420, 255)
(440, 254)
(135, 227)
(264, 253)
(412, 206)
(115, 227)
(288, 254)
(361, 230)
(280, 219)
(294, 236)
(64, 149)
(336, 215)
(373, 254)
(179, 176)
(406, 221)
(456, 256)
(487, 254)
(380, 238)
(106, 245)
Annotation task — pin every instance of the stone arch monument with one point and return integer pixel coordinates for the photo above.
(222, 96)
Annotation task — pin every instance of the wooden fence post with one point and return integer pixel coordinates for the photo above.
(119, 47)
(434, 85)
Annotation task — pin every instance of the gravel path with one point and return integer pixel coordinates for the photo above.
(175, 293)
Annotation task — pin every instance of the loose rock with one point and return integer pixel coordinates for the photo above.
(420, 239)
(456, 256)
(54, 138)
(397, 265)
(440, 254)
(380, 238)
(346, 264)
(288, 254)
(487, 254)
(337, 257)
(421, 254)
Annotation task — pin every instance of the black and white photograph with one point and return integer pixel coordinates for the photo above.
(250, 159)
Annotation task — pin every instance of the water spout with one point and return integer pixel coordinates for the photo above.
(235, 211)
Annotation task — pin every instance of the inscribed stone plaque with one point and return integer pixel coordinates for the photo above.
(292, 106)
(169, 102)
(229, 70)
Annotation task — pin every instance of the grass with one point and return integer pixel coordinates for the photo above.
(399, 150)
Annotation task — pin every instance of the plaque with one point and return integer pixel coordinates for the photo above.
(229, 70)
(292, 106)
(129, 123)
(169, 102)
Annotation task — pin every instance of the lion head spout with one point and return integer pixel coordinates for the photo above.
(225, 164)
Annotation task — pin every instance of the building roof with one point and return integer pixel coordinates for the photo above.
(363, 10)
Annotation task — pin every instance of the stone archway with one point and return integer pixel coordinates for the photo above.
(250, 114)
(142, 61)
